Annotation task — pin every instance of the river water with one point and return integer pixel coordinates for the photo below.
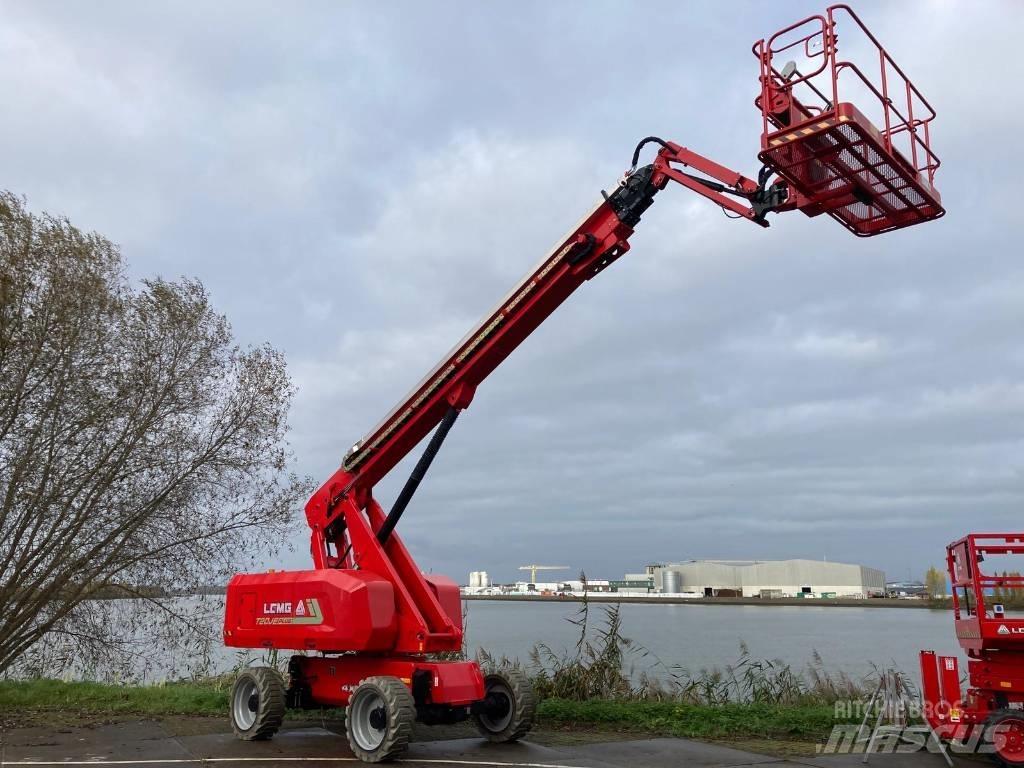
(697, 637)
(669, 638)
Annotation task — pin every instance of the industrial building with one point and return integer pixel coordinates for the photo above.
(767, 579)
(764, 579)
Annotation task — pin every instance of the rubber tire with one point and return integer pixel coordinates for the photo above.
(524, 706)
(269, 711)
(401, 713)
(994, 719)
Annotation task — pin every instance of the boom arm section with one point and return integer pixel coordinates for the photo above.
(601, 237)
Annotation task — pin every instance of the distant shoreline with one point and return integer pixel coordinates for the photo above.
(605, 597)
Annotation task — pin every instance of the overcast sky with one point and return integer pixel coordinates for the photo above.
(359, 183)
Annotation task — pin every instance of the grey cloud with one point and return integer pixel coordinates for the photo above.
(358, 183)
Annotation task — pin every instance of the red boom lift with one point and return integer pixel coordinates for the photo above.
(375, 634)
(991, 713)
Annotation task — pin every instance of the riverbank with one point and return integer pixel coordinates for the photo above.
(615, 597)
(58, 704)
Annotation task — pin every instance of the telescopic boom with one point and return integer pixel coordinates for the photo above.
(598, 240)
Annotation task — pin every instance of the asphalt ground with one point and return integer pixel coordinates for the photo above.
(156, 743)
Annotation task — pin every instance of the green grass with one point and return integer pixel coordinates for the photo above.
(207, 698)
(768, 721)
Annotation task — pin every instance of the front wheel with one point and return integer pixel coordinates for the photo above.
(257, 703)
(379, 718)
(1006, 732)
(508, 707)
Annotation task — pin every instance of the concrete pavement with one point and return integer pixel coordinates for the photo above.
(152, 743)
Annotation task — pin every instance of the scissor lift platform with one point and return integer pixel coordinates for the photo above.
(871, 179)
(991, 711)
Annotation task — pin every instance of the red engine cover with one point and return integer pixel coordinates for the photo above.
(324, 610)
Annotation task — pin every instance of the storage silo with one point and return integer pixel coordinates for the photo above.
(671, 582)
(485, 580)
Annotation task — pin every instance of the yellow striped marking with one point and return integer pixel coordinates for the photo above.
(802, 132)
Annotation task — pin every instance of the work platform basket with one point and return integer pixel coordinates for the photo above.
(871, 167)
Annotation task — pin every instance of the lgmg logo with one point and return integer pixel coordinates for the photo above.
(305, 611)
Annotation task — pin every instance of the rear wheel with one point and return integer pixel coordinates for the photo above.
(379, 718)
(257, 703)
(1006, 732)
(508, 706)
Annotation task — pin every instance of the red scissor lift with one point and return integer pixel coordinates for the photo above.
(374, 633)
(870, 167)
(991, 711)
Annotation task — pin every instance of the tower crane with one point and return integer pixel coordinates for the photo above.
(373, 633)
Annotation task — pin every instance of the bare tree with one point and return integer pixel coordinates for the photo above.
(141, 450)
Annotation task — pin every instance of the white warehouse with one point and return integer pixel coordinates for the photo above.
(769, 578)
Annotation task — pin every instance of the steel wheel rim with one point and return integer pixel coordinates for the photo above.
(245, 704)
(498, 724)
(363, 706)
(1009, 740)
